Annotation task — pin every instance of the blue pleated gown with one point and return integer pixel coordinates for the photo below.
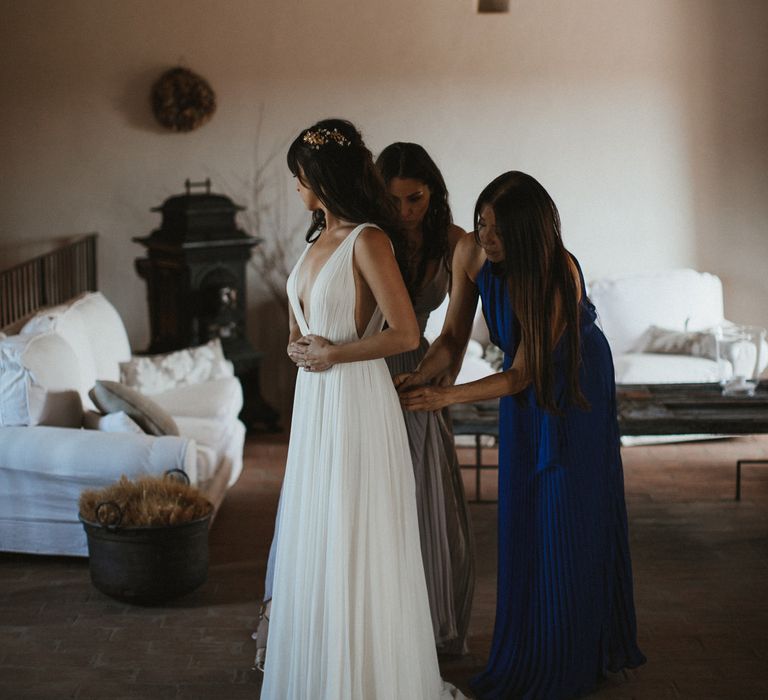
(565, 612)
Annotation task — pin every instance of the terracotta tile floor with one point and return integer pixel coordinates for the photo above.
(701, 579)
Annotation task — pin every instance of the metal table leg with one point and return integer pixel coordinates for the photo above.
(738, 472)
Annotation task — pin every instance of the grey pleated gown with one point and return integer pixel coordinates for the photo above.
(447, 544)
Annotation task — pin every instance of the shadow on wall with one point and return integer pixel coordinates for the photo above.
(728, 127)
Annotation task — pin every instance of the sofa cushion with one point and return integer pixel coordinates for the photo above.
(683, 300)
(39, 381)
(652, 368)
(219, 399)
(154, 374)
(111, 397)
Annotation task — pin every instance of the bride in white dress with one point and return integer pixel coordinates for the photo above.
(350, 616)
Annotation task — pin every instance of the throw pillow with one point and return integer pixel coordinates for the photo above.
(111, 397)
(66, 323)
(39, 381)
(666, 341)
(154, 374)
(119, 422)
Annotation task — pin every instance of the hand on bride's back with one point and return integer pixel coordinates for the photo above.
(407, 380)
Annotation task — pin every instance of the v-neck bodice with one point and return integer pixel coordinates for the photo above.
(330, 306)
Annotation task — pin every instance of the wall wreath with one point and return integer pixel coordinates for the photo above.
(182, 100)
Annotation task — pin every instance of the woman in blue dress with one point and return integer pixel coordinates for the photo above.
(565, 612)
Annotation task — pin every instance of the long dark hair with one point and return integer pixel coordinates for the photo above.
(411, 161)
(536, 267)
(332, 160)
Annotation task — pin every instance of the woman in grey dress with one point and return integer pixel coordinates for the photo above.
(447, 546)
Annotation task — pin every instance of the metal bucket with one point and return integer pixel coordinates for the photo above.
(146, 564)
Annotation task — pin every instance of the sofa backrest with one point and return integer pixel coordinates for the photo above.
(681, 299)
(94, 330)
(106, 333)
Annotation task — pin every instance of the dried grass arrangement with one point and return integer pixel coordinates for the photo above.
(182, 100)
(146, 502)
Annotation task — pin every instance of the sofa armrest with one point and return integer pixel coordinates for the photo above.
(89, 458)
(43, 470)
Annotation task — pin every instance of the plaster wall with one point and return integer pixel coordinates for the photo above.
(647, 122)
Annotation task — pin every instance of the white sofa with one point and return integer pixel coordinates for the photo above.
(664, 310)
(47, 367)
(637, 311)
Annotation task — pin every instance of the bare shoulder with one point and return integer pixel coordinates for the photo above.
(372, 237)
(468, 256)
(455, 234)
(373, 244)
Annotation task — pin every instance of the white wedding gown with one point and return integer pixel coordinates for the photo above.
(350, 616)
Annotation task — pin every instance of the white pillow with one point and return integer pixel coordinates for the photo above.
(118, 422)
(39, 381)
(66, 322)
(155, 374)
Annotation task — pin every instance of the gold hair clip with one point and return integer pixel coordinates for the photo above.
(319, 137)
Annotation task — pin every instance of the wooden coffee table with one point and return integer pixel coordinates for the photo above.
(686, 409)
(645, 409)
(679, 409)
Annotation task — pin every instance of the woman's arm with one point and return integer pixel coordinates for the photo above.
(375, 260)
(295, 352)
(434, 398)
(446, 352)
(448, 376)
(511, 381)
(455, 234)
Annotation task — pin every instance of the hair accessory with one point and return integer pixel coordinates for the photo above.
(315, 138)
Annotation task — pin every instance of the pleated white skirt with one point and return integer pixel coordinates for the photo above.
(350, 616)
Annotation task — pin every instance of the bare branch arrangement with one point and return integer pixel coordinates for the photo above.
(267, 216)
